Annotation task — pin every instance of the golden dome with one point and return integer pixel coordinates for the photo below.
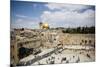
(45, 26)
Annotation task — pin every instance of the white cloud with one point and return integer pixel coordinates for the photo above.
(24, 16)
(25, 23)
(21, 16)
(67, 15)
(62, 6)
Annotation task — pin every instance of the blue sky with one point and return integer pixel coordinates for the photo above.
(29, 14)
